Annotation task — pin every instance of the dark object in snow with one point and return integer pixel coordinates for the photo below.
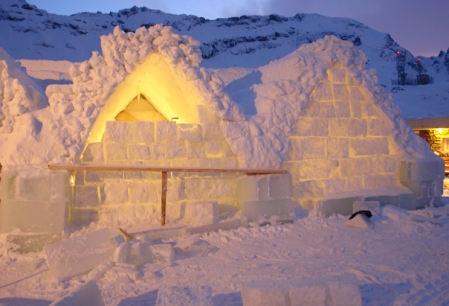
(363, 212)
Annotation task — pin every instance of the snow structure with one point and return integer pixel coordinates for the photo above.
(146, 101)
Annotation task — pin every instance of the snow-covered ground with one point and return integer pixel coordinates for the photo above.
(396, 263)
(423, 101)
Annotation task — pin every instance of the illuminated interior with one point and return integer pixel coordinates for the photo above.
(140, 109)
(154, 91)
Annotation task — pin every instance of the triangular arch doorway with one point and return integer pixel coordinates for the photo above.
(140, 109)
(168, 90)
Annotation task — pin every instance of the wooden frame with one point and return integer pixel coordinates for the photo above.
(164, 171)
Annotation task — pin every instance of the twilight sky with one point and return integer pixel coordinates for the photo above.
(421, 26)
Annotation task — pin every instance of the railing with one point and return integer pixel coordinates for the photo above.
(164, 171)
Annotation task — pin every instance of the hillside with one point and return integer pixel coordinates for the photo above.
(246, 41)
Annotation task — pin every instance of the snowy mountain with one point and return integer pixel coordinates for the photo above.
(245, 41)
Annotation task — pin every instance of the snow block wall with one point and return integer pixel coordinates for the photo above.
(316, 112)
(339, 143)
(106, 195)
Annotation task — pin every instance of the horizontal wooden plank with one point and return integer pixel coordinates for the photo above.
(74, 167)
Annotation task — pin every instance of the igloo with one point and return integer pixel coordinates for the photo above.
(317, 114)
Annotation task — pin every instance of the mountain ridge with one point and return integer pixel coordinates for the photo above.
(245, 41)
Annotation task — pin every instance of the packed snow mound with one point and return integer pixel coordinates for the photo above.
(19, 95)
(275, 95)
(77, 106)
(257, 110)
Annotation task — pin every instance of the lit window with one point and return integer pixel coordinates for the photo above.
(445, 144)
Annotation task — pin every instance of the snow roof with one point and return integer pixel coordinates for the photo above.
(256, 111)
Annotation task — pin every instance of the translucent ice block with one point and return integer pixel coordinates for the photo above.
(202, 213)
(162, 254)
(140, 253)
(373, 206)
(32, 217)
(256, 211)
(88, 294)
(80, 254)
(265, 293)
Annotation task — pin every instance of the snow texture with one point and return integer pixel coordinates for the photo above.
(281, 91)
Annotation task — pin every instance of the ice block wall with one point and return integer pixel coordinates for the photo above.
(340, 144)
(114, 196)
(34, 201)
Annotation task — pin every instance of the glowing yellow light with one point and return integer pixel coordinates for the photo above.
(440, 131)
(168, 91)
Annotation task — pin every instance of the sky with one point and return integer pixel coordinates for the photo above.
(421, 26)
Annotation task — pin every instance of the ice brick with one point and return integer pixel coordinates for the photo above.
(338, 75)
(116, 192)
(202, 213)
(8, 186)
(100, 270)
(34, 188)
(343, 206)
(265, 293)
(121, 253)
(164, 233)
(88, 294)
(189, 132)
(116, 151)
(29, 243)
(368, 146)
(139, 152)
(139, 253)
(186, 296)
(32, 217)
(256, 211)
(143, 131)
(395, 213)
(60, 186)
(162, 254)
(346, 127)
(117, 131)
(117, 240)
(214, 149)
(326, 291)
(252, 188)
(309, 295)
(195, 149)
(422, 171)
(176, 149)
(344, 291)
(373, 206)
(93, 152)
(310, 127)
(228, 224)
(332, 290)
(165, 130)
(212, 132)
(79, 254)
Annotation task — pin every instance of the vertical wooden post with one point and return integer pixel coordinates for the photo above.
(163, 197)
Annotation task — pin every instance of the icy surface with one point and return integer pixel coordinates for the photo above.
(79, 254)
(87, 294)
(387, 261)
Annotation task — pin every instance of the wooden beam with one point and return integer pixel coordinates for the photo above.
(75, 167)
(163, 197)
(164, 171)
